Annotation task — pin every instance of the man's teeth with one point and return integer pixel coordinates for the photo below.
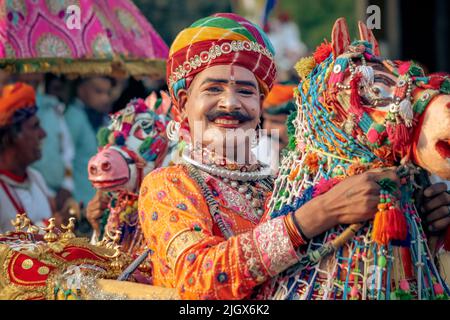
(226, 121)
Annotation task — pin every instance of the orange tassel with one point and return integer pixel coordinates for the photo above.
(379, 225)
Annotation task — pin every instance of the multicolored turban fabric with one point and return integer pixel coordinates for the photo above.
(17, 103)
(223, 38)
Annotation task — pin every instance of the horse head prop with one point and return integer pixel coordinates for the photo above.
(358, 111)
(133, 145)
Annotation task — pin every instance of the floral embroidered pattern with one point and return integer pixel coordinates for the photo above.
(232, 199)
(222, 277)
(252, 260)
(161, 195)
(101, 47)
(167, 236)
(191, 257)
(174, 217)
(127, 21)
(274, 245)
(49, 45)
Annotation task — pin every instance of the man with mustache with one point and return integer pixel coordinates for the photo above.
(202, 218)
(22, 189)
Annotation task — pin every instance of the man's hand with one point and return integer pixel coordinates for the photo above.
(353, 200)
(436, 205)
(95, 209)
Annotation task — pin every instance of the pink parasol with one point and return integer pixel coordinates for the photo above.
(79, 37)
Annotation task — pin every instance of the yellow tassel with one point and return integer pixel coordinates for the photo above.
(304, 66)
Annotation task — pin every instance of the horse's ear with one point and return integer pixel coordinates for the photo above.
(366, 34)
(340, 38)
(150, 101)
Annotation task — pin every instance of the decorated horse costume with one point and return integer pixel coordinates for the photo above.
(358, 111)
(133, 145)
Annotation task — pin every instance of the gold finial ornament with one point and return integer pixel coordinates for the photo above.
(117, 264)
(17, 223)
(50, 236)
(30, 227)
(69, 234)
(110, 241)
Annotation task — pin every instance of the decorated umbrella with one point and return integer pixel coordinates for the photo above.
(82, 37)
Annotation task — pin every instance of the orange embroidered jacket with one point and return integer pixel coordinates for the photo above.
(188, 250)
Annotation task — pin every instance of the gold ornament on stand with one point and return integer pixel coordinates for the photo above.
(50, 235)
(69, 234)
(110, 241)
(30, 227)
(17, 223)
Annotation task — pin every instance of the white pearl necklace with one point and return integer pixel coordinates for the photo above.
(264, 173)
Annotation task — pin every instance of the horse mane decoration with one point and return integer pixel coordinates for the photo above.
(134, 144)
(358, 111)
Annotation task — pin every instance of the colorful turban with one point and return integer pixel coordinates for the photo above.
(280, 99)
(17, 103)
(223, 38)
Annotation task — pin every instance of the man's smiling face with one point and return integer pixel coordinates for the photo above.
(221, 99)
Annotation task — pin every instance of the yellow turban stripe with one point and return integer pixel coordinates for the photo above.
(194, 35)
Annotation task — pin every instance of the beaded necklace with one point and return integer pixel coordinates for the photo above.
(225, 173)
(253, 187)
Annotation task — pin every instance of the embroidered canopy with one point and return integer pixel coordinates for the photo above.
(79, 37)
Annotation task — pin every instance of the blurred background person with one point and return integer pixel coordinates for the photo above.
(285, 37)
(84, 116)
(277, 107)
(22, 189)
(58, 150)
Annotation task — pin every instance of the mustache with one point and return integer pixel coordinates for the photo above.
(213, 115)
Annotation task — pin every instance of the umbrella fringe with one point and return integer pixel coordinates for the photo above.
(140, 67)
